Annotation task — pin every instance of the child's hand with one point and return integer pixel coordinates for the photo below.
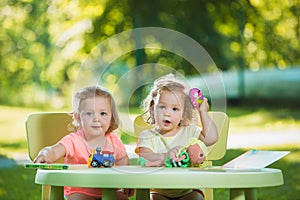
(41, 158)
(50, 154)
(173, 153)
(204, 106)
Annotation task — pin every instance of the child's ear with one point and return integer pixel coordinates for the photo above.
(77, 117)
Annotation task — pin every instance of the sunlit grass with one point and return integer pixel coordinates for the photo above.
(12, 128)
(12, 123)
(262, 119)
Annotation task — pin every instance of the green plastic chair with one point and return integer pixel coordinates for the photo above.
(45, 129)
(216, 151)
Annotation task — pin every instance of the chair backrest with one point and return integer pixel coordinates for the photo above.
(216, 151)
(45, 129)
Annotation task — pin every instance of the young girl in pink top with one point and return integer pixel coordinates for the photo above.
(95, 117)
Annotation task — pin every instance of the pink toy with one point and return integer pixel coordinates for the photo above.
(192, 155)
(196, 97)
(196, 153)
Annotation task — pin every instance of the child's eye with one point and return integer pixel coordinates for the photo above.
(103, 113)
(161, 107)
(175, 109)
(89, 113)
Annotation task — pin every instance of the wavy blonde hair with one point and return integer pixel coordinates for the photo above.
(173, 84)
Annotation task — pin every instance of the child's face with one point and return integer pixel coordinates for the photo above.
(168, 111)
(95, 115)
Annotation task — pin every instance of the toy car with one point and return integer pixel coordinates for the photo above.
(101, 158)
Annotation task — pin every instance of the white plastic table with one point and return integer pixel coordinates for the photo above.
(242, 183)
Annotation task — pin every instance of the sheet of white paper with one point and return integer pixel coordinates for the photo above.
(256, 159)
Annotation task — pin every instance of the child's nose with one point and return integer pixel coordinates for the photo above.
(167, 111)
(97, 116)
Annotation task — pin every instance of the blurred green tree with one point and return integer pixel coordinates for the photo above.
(43, 43)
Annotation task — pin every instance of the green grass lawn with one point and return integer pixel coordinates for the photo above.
(18, 183)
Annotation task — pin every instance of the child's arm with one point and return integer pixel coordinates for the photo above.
(123, 161)
(209, 134)
(148, 154)
(50, 154)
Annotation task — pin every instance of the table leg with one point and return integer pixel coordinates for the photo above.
(142, 194)
(109, 194)
(46, 192)
(237, 194)
(250, 194)
(56, 193)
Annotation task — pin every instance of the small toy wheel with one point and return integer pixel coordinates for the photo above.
(106, 163)
(111, 164)
(94, 163)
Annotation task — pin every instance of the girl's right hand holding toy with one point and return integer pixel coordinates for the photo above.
(174, 154)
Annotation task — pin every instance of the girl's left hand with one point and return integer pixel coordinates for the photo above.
(174, 152)
(204, 106)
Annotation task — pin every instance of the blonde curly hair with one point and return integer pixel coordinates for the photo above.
(170, 83)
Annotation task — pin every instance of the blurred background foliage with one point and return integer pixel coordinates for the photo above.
(43, 43)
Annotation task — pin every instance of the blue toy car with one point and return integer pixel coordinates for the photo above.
(101, 158)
